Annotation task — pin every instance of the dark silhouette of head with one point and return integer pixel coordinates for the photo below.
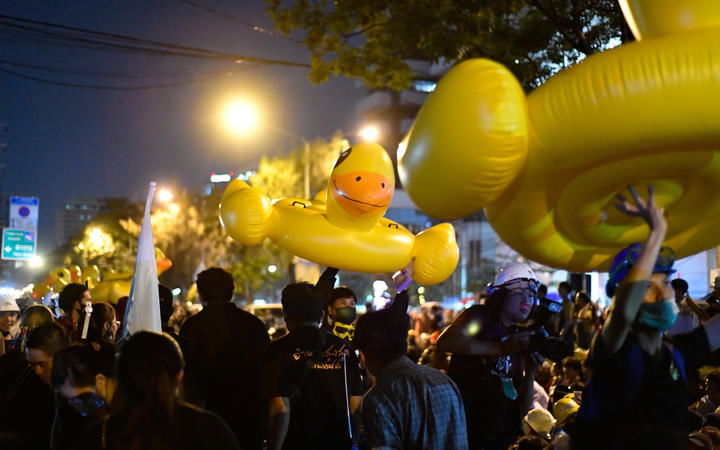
(381, 335)
(302, 304)
(215, 285)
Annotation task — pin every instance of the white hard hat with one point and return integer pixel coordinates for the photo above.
(8, 304)
(540, 421)
(511, 272)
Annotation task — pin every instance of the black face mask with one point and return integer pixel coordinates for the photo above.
(88, 404)
(346, 315)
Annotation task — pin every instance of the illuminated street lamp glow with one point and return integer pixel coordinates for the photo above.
(272, 268)
(240, 117)
(369, 133)
(36, 262)
(220, 178)
(165, 195)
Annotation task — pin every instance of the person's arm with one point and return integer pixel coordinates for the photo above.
(699, 312)
(628, 299)
(458, 338)
(278, 422)
(326, 282)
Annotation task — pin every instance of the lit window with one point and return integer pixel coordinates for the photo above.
(424, 85)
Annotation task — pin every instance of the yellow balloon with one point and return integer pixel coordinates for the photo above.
(643, 113)
(483, 135)
(347, 229)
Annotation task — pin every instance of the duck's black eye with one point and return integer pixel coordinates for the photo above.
(343, 157)
(358, 178)
(383, 185)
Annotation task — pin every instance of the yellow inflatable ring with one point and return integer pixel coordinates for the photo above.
(642, 113)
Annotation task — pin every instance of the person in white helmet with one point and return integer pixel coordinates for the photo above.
(490, 361)
(9, 311)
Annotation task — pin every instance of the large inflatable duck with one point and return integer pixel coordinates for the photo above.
(345, 229)
(547, 166)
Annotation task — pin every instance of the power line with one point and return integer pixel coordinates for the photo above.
(138, 44)
(111, 88)
(117, 74)
(238, 20)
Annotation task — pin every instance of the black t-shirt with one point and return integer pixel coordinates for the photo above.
(195, 429)
(654, 416)
(465, 369)
(318, 408)
(493, 419)
(223, 347)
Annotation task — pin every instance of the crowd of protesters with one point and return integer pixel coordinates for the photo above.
(520, 369)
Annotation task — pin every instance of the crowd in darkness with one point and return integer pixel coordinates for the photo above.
(520, 369)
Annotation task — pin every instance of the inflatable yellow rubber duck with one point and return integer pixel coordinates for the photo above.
(347, 230)
(547, 166)
(107, 286)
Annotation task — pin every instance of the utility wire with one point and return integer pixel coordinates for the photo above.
(139, 43)
(118, 74)
(111, 88)
(238, 20)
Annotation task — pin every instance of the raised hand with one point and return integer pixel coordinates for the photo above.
(648, 210)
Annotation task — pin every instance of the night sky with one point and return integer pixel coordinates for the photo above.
(72, 143)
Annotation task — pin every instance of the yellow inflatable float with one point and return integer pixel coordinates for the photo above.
(547, 166)
(107, 286)
(347, 230)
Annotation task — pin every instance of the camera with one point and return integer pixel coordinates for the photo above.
(551, 347)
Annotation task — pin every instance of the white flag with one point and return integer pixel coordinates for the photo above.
(143, 308)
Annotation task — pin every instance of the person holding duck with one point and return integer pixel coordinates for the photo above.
(346, 229)
(638, 391)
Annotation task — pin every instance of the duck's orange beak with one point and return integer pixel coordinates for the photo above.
(362, 193)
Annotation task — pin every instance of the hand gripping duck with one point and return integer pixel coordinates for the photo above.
(348, 231)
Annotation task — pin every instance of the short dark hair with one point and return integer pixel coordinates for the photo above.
(342, 292)
(50, 338)
(166, 303)
(542, 291)
(78, 364)
(302, 302)
(70, 294)
(495, 301)
(564, 285)
(382, 335)
(215, 285)
(679, 283)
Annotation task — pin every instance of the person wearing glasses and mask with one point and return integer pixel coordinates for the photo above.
(490, 361)
(638, 394)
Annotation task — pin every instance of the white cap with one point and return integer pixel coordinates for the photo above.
(511, 272)
(8, 303)
(540, 421)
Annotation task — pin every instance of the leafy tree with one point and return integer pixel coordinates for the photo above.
(283, 176)
(374, 39)
(189, 232)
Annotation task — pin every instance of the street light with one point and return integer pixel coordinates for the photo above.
(36, 262)
(240, 117)
(272, 268)
(165, 195)
(369, 133)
